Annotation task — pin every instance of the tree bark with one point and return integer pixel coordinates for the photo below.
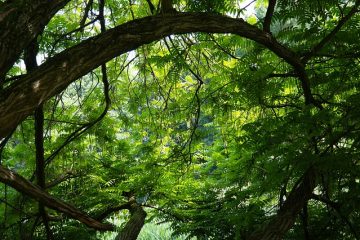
(268, 16)
(20, 23)
(292, 206)
(22, 97)
(134, 225)
(24, 186)
(31, 64)
(166, 6)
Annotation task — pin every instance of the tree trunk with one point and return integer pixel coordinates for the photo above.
(21, 22)
(134, 225)
(292, 206)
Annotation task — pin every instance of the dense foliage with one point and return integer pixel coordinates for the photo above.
(223, 136)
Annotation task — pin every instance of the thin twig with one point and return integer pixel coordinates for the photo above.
(330, 36)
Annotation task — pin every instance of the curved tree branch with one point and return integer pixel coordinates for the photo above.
(289, 211)
(133, 227)
(22, 185)
(22, 97)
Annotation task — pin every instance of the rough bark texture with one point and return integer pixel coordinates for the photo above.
(24, 186)
(22, 97)
(293, 205)
(31, 64)
(134, 225)
(20, 22)
(166, 6)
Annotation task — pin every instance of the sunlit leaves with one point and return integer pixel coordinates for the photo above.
(209, 131)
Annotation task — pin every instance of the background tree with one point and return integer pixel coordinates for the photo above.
(227, 119)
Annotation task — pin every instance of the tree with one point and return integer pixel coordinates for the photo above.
(227, 122)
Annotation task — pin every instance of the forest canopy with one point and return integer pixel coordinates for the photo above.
(220, 119)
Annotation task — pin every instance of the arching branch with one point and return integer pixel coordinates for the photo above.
(292, 206)
(22, 97)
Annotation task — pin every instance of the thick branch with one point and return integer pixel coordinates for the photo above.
(22, 97)
(292, 206)
(166, 6)
(133, 227)
(305, 222)
(30, 54)
(20, 22)
(268, 16)
(31, 64)
(24, 186)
